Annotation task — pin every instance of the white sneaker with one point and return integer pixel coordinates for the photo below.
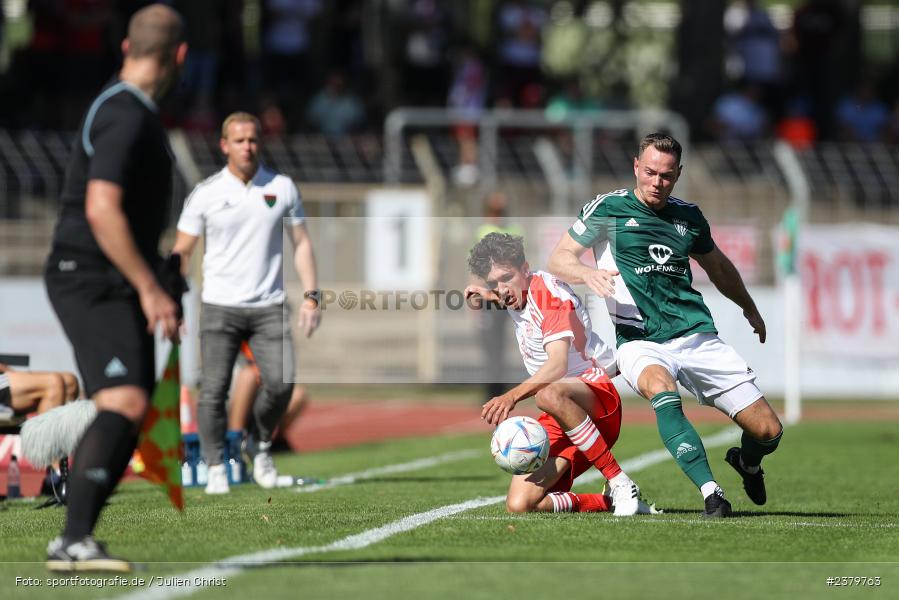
(264, 472)
(625, 499)
(217, 482)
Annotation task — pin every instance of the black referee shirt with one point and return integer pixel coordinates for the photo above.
(122, 141)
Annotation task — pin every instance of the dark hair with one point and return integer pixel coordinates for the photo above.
(496, 249)
(661, 142)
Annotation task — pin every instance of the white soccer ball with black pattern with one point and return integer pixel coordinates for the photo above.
(520, 445)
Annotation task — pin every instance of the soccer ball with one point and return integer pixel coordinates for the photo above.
(519, 445)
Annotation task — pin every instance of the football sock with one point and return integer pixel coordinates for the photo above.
(568, 502)
(709, 488)
(681, 438)
(99, 462)
(588, 440)
(752, 450)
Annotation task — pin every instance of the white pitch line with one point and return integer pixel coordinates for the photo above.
(233, 565)
(415, 465)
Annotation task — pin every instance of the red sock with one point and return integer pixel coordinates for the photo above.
(588, 440)
(568, 502)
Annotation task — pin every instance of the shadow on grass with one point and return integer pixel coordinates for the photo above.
(765, 513)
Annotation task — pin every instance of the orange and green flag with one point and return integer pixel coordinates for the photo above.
(160, 438)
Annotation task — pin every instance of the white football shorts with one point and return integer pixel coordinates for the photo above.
(702, 363)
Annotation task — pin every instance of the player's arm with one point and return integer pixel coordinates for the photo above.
(184, 245)
(107, 220)
(497, 409)
(478, 292)
(304, 263)
(727, 279)
(565, 263)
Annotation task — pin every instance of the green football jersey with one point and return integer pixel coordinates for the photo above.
(652, 251)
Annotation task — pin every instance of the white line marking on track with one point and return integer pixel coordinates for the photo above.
(233, 565)
(415, 465)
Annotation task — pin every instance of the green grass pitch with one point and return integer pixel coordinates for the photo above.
(833, 511)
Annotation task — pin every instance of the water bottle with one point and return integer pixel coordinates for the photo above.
(234, 471)
(237, 469)
(187, 474)
(202, 472)
(13, 478)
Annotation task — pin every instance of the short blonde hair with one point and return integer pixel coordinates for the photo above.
(240, 117)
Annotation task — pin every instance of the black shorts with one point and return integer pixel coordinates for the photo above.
(101, 315)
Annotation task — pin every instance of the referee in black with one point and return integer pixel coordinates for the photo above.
(104, 271)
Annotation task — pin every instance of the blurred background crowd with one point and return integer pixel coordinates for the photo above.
(803, 70)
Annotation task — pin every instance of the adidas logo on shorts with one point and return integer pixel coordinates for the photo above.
(684, 448)
(115, 368)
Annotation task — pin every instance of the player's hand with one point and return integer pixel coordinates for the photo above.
(309, 318)
(475, 295)
(757, 322)
(497, 409)
(601, 282)
(161, 310)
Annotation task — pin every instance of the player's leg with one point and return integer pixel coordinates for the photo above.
(116, 358)
(541, 491)
(651, 372)
(591, 418)
(571, 403)
(719, 376)
(271, 344)
(40, 391)
(243, 393)
(762, 431)
(221, 331)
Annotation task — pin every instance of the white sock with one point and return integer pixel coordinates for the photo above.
(620, 479)
(750, 470)
(562, 501)
(584, 435)
(709, 488)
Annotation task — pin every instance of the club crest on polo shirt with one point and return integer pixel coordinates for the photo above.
(270, 199)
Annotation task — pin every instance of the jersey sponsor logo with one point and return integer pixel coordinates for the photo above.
(681, 227)
(270, 199)
(684, 448)
(660, 253)
(115, 368)
(632, 222)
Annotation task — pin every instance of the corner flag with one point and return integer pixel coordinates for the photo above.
(160, 437)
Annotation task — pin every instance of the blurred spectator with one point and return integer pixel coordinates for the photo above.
(520, 24)
(468, 94)
(205, 22)
(285, 51)
(797, 127)
(425, 69)
(87, 54)
(570, 101)
(757, 52)
(493, 324)
(817, 40)
(893, 125)
(42, 68)
(334, 110)
(271, 118)
(862, 117)
(739, 116)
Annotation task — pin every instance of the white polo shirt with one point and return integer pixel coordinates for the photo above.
(244, 225)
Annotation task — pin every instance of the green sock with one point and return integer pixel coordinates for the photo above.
(681, 438)
(752, 450)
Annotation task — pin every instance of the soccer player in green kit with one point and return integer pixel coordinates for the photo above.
(643, 240)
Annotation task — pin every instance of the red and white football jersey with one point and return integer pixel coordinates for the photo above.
(553, 312)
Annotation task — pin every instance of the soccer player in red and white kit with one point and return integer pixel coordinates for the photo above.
(569, 368)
